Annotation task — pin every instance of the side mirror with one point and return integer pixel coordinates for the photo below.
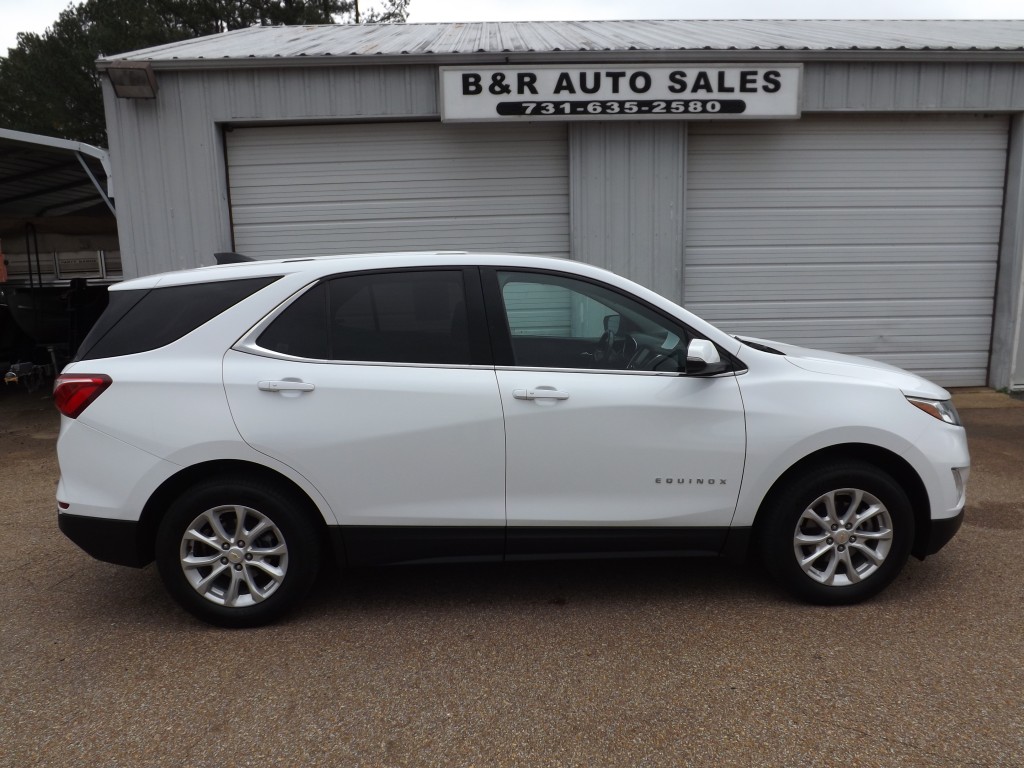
(702, 357)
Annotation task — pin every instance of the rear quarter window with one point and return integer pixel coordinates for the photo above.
(138, 321)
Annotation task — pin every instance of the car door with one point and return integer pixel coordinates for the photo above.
(377, 387)
(610, 445)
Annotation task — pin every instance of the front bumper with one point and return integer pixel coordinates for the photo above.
(112, 541)
(940, 532)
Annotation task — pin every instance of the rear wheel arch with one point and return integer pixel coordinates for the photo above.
(882, 459)
(177, 484)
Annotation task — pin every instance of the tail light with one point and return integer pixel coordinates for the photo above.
(74, 392)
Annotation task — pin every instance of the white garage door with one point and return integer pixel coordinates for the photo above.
(326, 189)
(870, 236)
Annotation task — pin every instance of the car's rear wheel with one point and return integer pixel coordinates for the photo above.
(838, 534)
(237, 552)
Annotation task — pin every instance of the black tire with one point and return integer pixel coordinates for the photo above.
(856, 560)
(245, 583)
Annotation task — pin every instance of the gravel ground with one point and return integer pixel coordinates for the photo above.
(578, 664)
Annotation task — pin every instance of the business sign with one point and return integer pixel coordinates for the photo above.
(658, 91)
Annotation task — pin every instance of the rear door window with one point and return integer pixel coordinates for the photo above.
(415, 316)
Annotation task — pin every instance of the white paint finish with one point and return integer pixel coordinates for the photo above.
(868, 235)
(165, 398)
(594, 457)
(90, 457)
(315, 190)
(792, 412)
(387, 445)
(416, 445)
(165, 410)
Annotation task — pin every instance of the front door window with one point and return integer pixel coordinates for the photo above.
(559, 322)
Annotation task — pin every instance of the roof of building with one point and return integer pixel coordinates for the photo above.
(794, 40)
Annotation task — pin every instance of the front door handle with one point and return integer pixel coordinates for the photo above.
(540, 393)
(285, 386)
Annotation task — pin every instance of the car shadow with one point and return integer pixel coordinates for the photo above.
(529, 584)
(382, 596)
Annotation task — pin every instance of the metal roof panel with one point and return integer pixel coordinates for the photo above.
(40, 175)
(520, 37)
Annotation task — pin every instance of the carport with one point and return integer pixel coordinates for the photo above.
(58, 236)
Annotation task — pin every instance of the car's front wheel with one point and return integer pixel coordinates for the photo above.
(237, 552)
(838, 534)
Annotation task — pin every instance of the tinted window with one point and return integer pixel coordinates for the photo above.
(138, 321)
(301, 330)
(118, 305)
(558, 322)
(397, 317)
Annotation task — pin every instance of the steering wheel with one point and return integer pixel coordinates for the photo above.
(603, 349)
(644, 360)
(613, 352)
(649, 359)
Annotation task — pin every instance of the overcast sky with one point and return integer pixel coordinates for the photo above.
(36, 15)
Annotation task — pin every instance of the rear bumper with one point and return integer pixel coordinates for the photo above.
(112, 541)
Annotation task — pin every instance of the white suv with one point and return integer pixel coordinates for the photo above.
(242, 423)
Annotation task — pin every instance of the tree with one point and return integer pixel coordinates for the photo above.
(395, 11)
(49, 83)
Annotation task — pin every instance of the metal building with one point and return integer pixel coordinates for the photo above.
(855, 186)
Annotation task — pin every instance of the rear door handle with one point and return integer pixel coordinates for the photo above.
(285, 386)
(540, 393)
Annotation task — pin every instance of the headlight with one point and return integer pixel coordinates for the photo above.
(943, 410)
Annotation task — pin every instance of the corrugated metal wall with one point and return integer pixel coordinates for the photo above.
(627, 186)
(324, 189)
(1017, 377)
(912, 86)
(168, 158)
(172, 193)
(1006, 366)
(866, 235)
(168, 154)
